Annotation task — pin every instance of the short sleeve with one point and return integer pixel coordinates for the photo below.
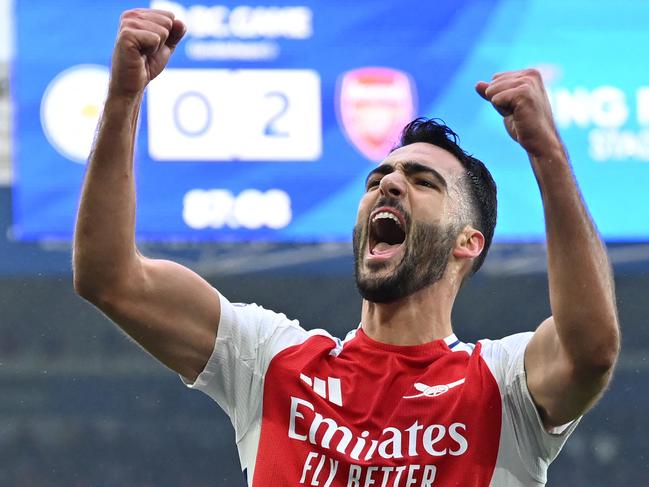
(536, 446)
(248, 337)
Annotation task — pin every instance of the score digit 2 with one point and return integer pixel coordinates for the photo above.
(252, 115)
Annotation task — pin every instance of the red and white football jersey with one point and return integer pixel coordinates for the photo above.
(310, 409)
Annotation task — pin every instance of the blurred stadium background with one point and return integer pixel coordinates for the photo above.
(82, 405)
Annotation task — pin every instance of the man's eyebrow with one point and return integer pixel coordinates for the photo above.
(383, 169)
(412, 167)
(409, 168)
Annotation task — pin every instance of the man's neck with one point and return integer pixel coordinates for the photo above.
(419, 318)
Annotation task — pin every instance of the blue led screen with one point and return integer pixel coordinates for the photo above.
(271, 113)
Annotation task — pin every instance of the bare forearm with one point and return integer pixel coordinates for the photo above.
(569, 359)
(104, 244)
(582, 295)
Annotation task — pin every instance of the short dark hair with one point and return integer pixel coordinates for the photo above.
(481, 186)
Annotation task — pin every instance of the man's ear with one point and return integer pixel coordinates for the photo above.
(469, 244)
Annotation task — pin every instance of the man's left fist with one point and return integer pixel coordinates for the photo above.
(519, 96)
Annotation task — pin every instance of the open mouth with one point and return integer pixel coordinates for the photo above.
(387, 232)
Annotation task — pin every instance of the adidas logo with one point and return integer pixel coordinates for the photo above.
(330, 389)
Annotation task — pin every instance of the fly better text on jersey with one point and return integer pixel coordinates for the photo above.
(393, 456)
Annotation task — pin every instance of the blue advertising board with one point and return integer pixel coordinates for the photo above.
(271, 113)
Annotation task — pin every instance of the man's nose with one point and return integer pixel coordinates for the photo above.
(393, 185)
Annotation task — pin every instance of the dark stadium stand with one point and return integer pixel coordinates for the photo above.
(83, 405)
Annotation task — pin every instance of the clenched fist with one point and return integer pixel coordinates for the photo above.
(145, 41)
(519, 96)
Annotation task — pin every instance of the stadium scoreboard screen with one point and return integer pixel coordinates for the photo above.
(270, 114)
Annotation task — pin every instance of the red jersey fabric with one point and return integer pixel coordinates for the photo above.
(311, 409)
(398, 423)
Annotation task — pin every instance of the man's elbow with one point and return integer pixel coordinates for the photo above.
(97, 287)
(85, 279)
(90, 287)
(611, 351)
(101, 282)
(602, 356)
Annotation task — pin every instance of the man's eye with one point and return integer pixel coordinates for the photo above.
(373, 183)
(426, 183)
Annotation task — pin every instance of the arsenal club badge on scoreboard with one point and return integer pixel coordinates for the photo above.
(374, 104)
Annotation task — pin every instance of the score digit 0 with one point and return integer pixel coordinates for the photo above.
(225, 115)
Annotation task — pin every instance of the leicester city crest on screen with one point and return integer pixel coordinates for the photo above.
(374, 104)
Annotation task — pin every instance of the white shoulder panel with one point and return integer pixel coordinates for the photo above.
(526, 448)
(248, 337)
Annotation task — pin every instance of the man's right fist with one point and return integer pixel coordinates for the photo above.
(145, 42)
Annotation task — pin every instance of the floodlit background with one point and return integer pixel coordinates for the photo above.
(82, 405)
(6, 39)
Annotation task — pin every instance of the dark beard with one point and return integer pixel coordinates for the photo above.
(423, 264)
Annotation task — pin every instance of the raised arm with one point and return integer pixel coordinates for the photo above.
(570, 359)
(165, 307)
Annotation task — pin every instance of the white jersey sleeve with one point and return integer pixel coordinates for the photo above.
(526, 447)
(248, 337)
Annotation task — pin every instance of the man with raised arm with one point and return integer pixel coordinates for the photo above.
(401, 401)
